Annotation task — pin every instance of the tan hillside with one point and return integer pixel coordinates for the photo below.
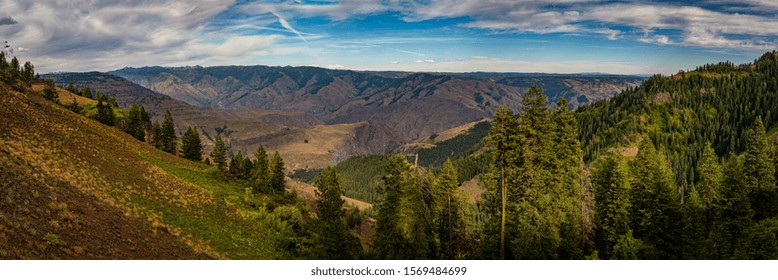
(66, 97)
(72, 188)
(430, 142)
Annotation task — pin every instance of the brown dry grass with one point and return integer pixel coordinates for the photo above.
(473, 190)
(74, 188)
(66, 97)
(323, 143)
(625, 151)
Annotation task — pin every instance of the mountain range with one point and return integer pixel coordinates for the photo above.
(317, 117)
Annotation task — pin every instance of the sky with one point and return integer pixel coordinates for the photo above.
(551, 36)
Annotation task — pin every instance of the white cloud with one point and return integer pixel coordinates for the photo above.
(335, 66)
(394, 62)
(424, 61)
(288, 26)
(657, 39)
(511, 65)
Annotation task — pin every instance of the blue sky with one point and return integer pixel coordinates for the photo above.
(562, 36)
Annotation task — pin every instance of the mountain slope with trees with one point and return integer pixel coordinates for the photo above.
(416, 105)
(74, 188)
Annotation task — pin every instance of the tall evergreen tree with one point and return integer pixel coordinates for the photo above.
(237, 169)
(156, 135)
(759, 170)
(451, 221)
(277, 173)
(191, 146)
(736, 214)
(219, 154)
(503, 142)
(135, 125)
(568, 174)
(656, 207)
(261, 172)
(611, 188)
(390, 242)
(333, 239)
(709, 187)
(105, 113)
(3, 62)
(14, 66)
(695, 240)
(542, 202)
(168, 138)
(28, 72)
(404, 225)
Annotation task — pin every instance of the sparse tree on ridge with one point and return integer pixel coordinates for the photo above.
(277, 173)
(191, 146)
(50, 90)
(168, 138)
(261, 172)
(219, 154)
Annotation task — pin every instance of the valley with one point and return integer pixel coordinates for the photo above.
(318, 117)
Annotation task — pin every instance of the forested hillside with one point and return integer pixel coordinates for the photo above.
(715, 103)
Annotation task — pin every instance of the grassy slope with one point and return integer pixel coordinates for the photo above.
(73, 188)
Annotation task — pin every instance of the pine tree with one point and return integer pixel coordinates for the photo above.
(541, 202)
(156, 135)
(219, 154)
(87, 92)
(261, 172)
(611, 188)
(568, 174)
(404, 225)
(656, 207)
(105, 114)
(28, 72)
(191, 147)
(50, 90)
(627, 247)
(333, 239)
(759, 170)
(503, 143)
(3, 62)
(736, 214)
(694, 231)
(277, 173)
(168, 136)
(451, 221)
(135, 124)
(14, 66)
(71, 88)
(236, 166)
(709, 187)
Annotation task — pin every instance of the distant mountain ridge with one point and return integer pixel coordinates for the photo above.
(415, 104)
(317, 116)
